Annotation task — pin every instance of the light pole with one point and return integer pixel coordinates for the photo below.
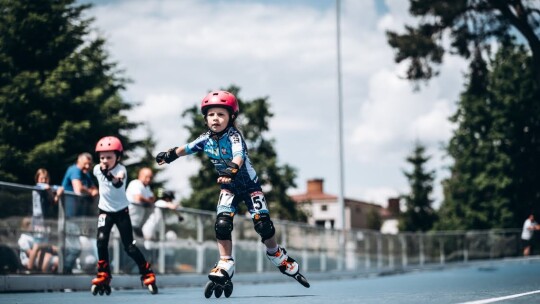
(341, 199)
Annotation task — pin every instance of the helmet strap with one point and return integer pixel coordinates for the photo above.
(219, 134)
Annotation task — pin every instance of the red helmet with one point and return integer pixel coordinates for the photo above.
(109, 143)
(220, 98)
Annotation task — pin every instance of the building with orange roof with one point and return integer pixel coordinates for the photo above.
(323, 209)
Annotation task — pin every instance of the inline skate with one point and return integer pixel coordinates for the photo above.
(148, 278)
(220, 279)
(287, 266)
(101, 283)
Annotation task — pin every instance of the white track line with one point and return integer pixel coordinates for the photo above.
(502, 298)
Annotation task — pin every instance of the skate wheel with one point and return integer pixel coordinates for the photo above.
(108, 290)
(209, 289)
(218, 291)
(228, 289)
(94, 290)
(101, 290)
(302, 280)
(153, 288)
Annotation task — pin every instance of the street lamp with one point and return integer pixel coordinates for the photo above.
(341, 199)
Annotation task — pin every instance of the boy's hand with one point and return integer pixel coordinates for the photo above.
(167, 157)
(224, 180)
(105, 171)
(229, 172)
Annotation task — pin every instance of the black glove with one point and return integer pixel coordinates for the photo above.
(106, 173)
(167, 157)
(118, 183)
(230, 171)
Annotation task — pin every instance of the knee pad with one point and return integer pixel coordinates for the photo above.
(102, 241)
(131, 249)
(224, 226)
(264, 226)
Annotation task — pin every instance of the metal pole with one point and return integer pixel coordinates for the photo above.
(341, 200)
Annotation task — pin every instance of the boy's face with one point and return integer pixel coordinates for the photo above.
(217, 119)
(107, 159)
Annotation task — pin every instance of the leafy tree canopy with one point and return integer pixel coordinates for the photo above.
(470, 25)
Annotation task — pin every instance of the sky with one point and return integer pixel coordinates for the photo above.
(175, 52)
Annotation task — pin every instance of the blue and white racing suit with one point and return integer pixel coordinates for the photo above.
(245, 185)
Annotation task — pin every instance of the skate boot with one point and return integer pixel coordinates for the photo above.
(148, 278)
(287, 265)
(220, 279)
(101, 283)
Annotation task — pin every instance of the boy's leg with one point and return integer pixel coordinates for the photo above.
(126, 234)
(103, 278)
(105, 224)
(123, 224)
(265, 228)
(224, 268)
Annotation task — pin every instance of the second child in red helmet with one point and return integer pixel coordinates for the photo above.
(113, 210)
(227, 150)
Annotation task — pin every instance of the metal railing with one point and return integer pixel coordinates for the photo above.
(189, 245)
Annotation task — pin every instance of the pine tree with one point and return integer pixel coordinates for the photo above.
(419, 214)
(495, 146)
(59, 92)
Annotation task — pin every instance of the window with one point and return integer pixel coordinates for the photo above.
(324, 207)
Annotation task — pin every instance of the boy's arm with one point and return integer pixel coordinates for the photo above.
(116, 180)
(239, 160)
(226, 176)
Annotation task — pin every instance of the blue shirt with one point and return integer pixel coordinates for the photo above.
(72, 173)
(223, 149)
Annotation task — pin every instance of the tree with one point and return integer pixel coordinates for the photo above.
(59, 92)
(495, 148)
(147, 159)
(274, 178)
(471, 26)
(419, 214)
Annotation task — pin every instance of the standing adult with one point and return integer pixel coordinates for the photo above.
(529, 226)
(78, 179)
(141, 199)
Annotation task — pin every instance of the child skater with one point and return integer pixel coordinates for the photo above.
(113, 210)
(227, 150)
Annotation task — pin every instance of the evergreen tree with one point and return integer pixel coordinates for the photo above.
(495, 146)
(470, 25)
(59, 92)
(275, 179)
(419, 214)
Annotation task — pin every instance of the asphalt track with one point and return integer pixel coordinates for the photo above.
(510, 281)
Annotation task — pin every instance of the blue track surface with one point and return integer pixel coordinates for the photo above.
(516, 281)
